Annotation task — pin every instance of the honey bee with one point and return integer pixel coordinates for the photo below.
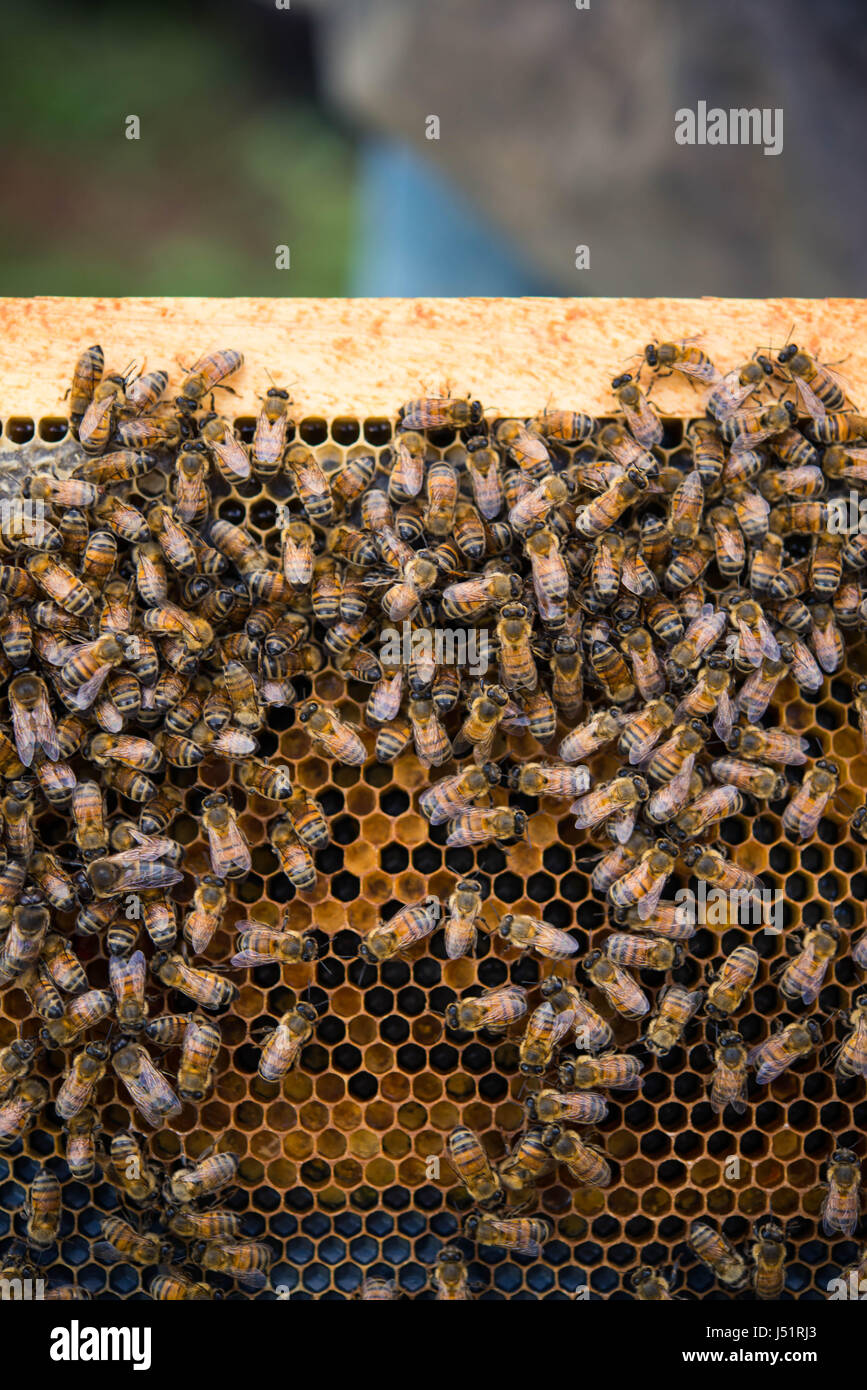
(175, 1285)
(478, 825)
(205, 987)
(642, 952)
(803, 813)
(804, 976)
(730, 983)
(463, 908)
(591, 1030)
(269, 440)
(151, 1093)
(531, 934)
(16, 1062)
(494, 1010)
(338, 739)
(768, 1253)
(283, 1044)
(585, 1163)
(620, 989)
(127, 979)
(784, 1047)
(819, 390)
(18, 1113)
(23, 943)
(684, 357)
(138, 869)
(852, 1056)
(738, 385)
(450, 1277)
(130, 1169)
(43, 1210)
(206, 373)
(206, 914)
(674, 1008)
(720, 1256)
(81, 1132)
(247, 1261)
(473, 1167)
(229, 851)
(641, 886)
(32, 721)
(193, 1181)
(546, 1029)
(549, 1107)
(85, 1073)
(640, 415)
(121, 1242)
(549, 779)
(841, 1209)
(729, 1084)
(525, 1235)
(86, 376)
(197, 1069)
(205, 1225)
(261, 945)
(407, 926)
(81, 1013)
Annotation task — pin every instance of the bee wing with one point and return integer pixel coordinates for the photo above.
(84, 696)
(621, 825)
(108, 1253)
(768, 642)
(145, 1098)
(23, 727)
(750, 645)
(151, 879)
(119, 971)
(643, 748)
(647, 905)
(724, 718)
(810, 401)
(243, 959)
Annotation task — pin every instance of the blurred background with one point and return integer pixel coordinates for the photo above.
(305, 126)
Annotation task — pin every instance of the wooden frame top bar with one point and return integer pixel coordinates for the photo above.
(364, 357)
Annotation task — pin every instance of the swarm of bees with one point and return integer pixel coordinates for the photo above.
(633, 618)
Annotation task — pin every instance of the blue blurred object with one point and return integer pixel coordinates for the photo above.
(417, 236)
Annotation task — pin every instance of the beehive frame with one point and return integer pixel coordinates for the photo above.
(339, 1170)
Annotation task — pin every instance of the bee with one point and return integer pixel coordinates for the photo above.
(260, 945)
(210, 1175)
(525, 448)
(206, 373)
(311, 484)
(138, 869)
(546, 1029)
(150, 1091)
(531, 934)
(640, 415)
(674, 1008)
(784, 1047)
(94, 428)
(852, 1057)
(269, 439)
(527, 1162)
(23, 942)
(803, 813)
(737, 386)
(516, 662)
(43, 1210)
(730, 983)
(714, 868)
(86, 376)
(229, 851)
(197, 1069)
(642, 952)
(18, 1113)
(432, 744)
(295, 858)
(463, 908)
(564, 426)
(32, 721)
(79, 1084)
(720, 1256)
(477, 826)
(175, 1285)
(283, 1044)
(768, 1253)
(588, 738)
(620, 989)
(819, 390)
(549, 1107)
(206, 914)
(130, 1169)
(127, 978)
(684, 357)
(641, 886)
(746, 429)
(591, 1030)
(841, 1209)
(649, 1286)
(81, 1013)
(205, 987)
(450, 1277)
(586, 1164)
(121, 1242)
(623, 794)
(205, 1225)
(338, 739)
(494, 1010)
(440, 412)
(804, 976)
(81, 1132)
(758, 689)
(729, 1083)
(525, 1235)
(407, 926)
(16, 1062)
(606, 510)
(776, 745)
(550, 576)
(245, 1260)
(474, 1168)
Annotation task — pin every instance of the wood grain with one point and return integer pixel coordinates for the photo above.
(364, 357)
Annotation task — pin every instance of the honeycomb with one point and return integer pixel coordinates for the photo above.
(342, 1166)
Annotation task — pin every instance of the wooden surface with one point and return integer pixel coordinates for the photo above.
(364, 357)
